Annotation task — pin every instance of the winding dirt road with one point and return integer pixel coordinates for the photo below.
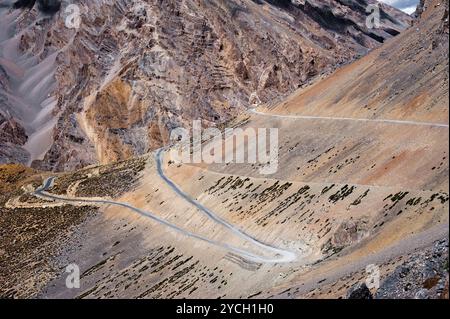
(281, 256)
(285, 256)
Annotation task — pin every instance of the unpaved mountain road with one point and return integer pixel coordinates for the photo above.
(285, 256)
(280, 257)
(405, 246)
(402, 247)
(308, 117)
(325, 276)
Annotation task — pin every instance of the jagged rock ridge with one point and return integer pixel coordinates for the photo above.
(137, 69)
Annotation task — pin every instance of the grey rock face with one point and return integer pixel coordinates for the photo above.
(136, 69)
(359, 291)
(424, 275)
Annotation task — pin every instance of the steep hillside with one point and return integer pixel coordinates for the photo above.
(136, 69)
(353, 189)
(405, 79)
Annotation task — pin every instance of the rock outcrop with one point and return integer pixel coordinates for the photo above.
(423, 276)
(12, 137)
(359, 292)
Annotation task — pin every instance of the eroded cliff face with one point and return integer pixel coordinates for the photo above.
(116, 86)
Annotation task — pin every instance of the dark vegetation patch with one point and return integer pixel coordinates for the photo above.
(31, 238)
(399, 203)
(341, 194)
(358, 201)
(12, 178)
(112, 180)
(163, 272)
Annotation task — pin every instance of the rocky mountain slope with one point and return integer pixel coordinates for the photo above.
(135, 69)
(353, 189)
(370, 89)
